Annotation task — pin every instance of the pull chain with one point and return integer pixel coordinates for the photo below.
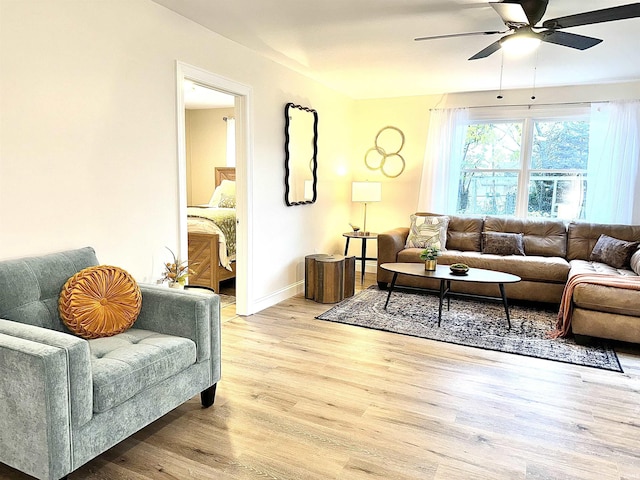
(499, 97)
(535, 71)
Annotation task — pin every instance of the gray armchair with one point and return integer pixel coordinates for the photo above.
(64, 399)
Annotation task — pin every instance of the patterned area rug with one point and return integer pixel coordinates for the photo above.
(472, 323)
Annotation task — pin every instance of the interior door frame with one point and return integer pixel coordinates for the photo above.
(244, 179)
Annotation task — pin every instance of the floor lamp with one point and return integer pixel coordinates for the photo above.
(366, 192)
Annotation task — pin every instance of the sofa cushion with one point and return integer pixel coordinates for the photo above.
(613, 251)
(582, 237)
(428, 231)
(100, 301)
(529, 268)
(547, 238)
(585, 266)
(602, 298)
(499, 243)
(465, 233)
(130, 362)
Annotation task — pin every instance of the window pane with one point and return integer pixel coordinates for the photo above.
(492, 146)
(560, 145)
(557, 195)
(489, 193)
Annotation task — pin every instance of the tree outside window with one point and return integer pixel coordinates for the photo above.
(528, 167)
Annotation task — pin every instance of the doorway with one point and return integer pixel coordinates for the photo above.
(238, 97)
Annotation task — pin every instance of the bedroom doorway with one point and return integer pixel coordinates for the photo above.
(213, 157)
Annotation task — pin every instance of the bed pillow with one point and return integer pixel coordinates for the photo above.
(612, 251)
(100, 302)
(226, 187)
(498, 243)
(427, 231)
(227, 201)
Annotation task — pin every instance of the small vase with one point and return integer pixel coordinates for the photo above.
(177, 285)
(430, 265)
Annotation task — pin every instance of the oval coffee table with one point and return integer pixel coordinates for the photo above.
(443, 273)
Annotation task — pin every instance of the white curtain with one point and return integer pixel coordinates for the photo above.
(442, 161)
(231, 142)
(613, 183)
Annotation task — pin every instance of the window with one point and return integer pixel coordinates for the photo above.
(532, 166)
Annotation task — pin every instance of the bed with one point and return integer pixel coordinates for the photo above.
(211, 231)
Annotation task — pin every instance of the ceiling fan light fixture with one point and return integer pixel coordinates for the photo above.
(520, 44)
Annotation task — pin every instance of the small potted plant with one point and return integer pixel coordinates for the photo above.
(176, 272)
(429, 256)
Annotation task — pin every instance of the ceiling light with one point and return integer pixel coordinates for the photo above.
(520, 43)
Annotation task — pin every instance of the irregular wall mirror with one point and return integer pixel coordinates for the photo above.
(301, 152)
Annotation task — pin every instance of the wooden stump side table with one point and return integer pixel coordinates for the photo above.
(329, 278)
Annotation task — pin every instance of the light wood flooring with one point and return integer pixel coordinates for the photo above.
(307, 399)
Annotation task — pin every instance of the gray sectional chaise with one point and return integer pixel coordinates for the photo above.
(554, 252)
(64, 399)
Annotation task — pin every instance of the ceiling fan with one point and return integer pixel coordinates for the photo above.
(521, 16)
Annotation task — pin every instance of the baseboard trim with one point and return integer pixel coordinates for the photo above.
(278, 296)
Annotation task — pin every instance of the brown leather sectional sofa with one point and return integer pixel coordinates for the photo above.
(554, 252)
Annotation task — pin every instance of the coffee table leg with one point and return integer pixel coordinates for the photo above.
(393, 284)
(442, 291)
(506, 305)
(448, 296)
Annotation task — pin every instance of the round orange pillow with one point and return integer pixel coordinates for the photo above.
(100, 301)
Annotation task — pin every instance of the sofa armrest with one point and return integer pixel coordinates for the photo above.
(190, 314)
(35, 427)
(389, 245)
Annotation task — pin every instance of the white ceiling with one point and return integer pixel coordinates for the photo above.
(365, 48)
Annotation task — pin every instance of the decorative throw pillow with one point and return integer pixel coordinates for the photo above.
(427, 231)
(227, 201)
(498, 243)
(99, 302)
(635, 262)
(226, 187)
(613, 252)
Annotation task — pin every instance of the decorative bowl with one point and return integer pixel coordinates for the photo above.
(459, 269)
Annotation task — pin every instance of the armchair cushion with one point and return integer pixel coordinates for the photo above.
(130, 362)
(30, 287)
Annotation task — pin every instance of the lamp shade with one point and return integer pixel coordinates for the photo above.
(366, 192)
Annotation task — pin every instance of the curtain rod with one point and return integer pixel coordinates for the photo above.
(529, 105)
(228, 118)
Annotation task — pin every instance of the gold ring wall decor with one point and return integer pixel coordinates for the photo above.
(379, 158)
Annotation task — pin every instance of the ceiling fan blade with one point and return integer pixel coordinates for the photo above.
(511, 13)
(597, 16)
(484, 53)
(452, 35)
(579, 42)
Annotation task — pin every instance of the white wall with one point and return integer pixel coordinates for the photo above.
(88, 138)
